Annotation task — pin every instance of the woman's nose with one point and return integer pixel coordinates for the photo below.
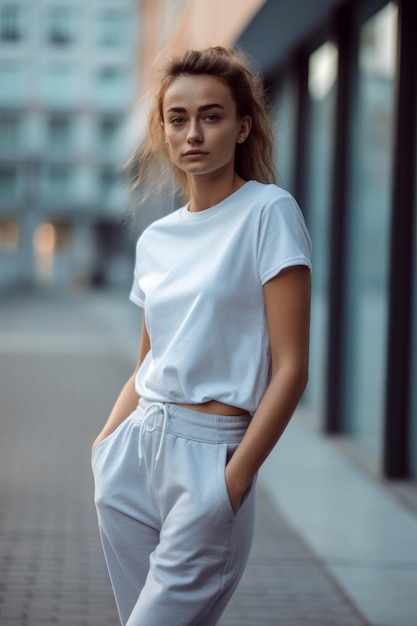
(194, 133)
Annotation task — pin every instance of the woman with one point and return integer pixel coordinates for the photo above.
(225, 287)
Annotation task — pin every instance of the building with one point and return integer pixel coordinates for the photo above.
(342, 78)
(67, 86)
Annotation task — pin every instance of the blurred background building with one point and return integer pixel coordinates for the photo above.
(67, 86)
(342, 81)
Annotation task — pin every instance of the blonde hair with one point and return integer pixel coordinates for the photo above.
(151, 164)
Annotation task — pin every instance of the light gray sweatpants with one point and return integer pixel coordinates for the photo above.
(174, 548)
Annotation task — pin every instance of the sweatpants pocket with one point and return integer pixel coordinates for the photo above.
(225, 454)
(107, 440)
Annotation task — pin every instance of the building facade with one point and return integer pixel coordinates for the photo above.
(343, 86)
(68, 80)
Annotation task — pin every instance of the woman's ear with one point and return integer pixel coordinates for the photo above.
(245, 125)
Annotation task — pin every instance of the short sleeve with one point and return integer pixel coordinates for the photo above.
(136, 294)
(283, 238)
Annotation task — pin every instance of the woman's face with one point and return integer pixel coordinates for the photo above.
(201, 125)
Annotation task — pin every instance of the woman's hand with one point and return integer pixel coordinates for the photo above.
(235, 492)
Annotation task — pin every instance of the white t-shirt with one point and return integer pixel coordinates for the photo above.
(199, 278)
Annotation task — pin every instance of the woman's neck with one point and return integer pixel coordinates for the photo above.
(207, 191)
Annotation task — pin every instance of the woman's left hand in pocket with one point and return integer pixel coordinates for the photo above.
(235, 494)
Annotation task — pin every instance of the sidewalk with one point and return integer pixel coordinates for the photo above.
(63, 361)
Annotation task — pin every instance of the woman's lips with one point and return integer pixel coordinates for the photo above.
(194, 154)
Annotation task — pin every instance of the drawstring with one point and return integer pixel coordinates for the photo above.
(152, 411)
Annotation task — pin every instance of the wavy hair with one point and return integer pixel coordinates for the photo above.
(150, 164)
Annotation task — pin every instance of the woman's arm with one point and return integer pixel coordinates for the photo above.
(128, 398)
(287, 303)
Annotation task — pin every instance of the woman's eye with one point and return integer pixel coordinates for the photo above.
(177, 120)
(212, 117)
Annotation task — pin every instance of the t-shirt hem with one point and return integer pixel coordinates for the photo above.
(302, 260)
(136, 300)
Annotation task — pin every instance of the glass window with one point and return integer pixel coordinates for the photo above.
(44, 243)
(285, 132)
(368, 261)
(10, 23)
(60, 84)
(8, 181)
(60, 26)
(322, 78)
(9, 236)
(59, 131)
(109, 179)
(108, 130)
(63, 236)
(112, 28)
(111, 85)
(58, 181)
(9, 130)
(12, 84)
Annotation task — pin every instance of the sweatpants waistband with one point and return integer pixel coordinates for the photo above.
(194, 425)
